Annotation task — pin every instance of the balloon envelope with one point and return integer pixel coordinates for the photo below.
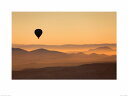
(38, 33)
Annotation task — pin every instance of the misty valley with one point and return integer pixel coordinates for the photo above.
(54, 64)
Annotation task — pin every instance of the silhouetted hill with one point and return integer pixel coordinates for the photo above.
(97, 55)
(86, 71)
(18, 51)
(45, 51)
(37, 51)
(102, 50)
(68, 48)
(105, 48)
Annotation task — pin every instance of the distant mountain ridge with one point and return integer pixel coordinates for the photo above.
(42, 50)
(19, 51)
(45, 51)
(104, 48)
(37, 51)
(63, 46)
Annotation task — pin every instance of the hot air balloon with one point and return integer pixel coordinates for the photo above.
(38, 33)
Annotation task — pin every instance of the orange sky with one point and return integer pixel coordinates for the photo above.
(64, 27)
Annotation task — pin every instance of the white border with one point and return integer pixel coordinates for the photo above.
(71, 87)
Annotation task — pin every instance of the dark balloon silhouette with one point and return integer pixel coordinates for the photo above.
(38, 33)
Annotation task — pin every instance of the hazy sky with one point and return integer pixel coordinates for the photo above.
(64, 27)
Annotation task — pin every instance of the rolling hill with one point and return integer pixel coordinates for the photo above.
(85, 71)
(41, 58)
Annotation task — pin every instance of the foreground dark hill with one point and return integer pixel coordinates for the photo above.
(86, 71)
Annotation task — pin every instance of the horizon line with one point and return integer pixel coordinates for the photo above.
(66, 44)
